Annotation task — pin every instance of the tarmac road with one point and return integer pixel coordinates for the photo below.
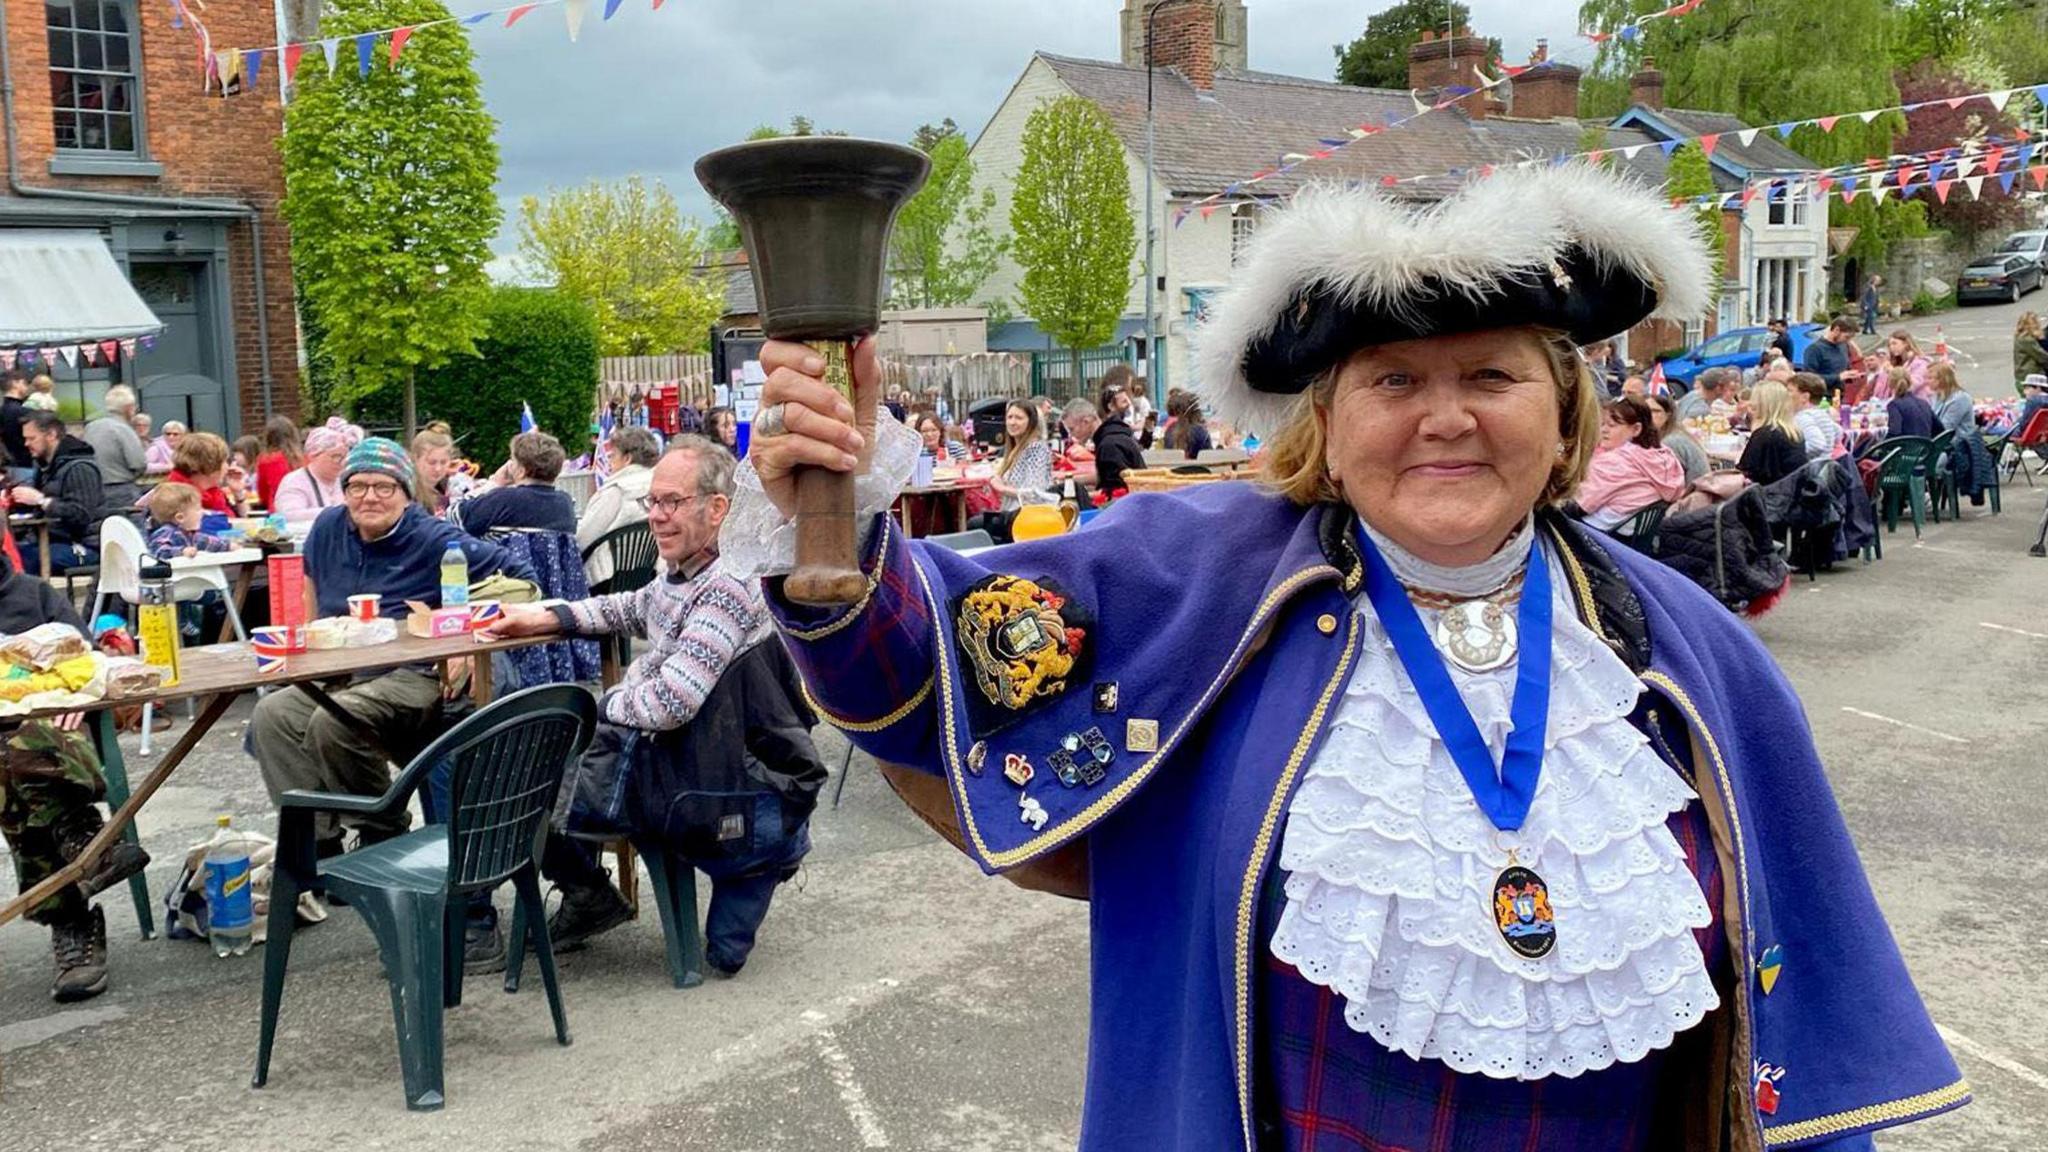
(898, 1000)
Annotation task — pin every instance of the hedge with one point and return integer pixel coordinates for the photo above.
(540, 349)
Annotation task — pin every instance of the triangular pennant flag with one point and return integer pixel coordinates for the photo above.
(1747, 136)
(1876, 180)
(330, 48)
(1629, 32)
(1849, 193)
(1726, 201)
(1785, 130)
(1388, 181)
(572, 14)
(292, 53)
(514, 16)
(1998, 99)
(1976, 186)
(1668, 146)
(2005, 180)
(1749, 192)
(252, 63)
(227, 68)
(109, 349)
(90, 353)
(1823, 184)
(611, 7)
(1827, 123)
(128, 347)
(478, 18)
(1955, 102)
(1629, 153)
(1993, 159)
(656, 7)
(1207, 209)
(2041, 94)
(69, 353)
(366, 45)
(1906, 176)
(1291, 158)
(1965, 165)
(1878, 192)
(2040, 174)
(398, 38)
(1873, 114)
(1941, 188)
(1708, 142)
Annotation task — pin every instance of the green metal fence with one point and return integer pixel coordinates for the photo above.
(1052, 373)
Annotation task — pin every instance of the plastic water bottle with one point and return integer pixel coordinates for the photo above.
(230, 912)
(454, 577)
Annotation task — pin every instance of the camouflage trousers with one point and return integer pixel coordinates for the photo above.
(49, 783)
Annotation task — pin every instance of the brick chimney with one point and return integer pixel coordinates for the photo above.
(1646, 87)
(1454, 60)
(1547, 91)
(1184, 39)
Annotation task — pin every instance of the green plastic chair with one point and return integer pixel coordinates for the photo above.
(1640, 531)
(675, 896)
(633, 567)
(1940, 481)
(506, 762)
(1902, 479)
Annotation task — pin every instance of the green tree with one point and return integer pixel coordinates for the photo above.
(724, 235)
(390, 194)
(943, 247)
(626, 252)
(1379, 57)
(1691, 175)
(928, 136)
(1756, 60)
(541, 349)
(1070, 224)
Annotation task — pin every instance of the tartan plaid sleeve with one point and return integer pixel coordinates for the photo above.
(868, 667)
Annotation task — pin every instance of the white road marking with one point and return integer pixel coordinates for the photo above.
(2014, 631)
(2003, 1063)
(29, 1033)
(1904, 724)
(851, 1094)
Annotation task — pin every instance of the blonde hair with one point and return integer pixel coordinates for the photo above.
(1941, 376)
(1294, 463)
(425, 442)
(1771, 406)
(1897, 381)
(170, 500)
(2029, 325)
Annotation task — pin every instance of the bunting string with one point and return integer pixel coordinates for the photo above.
(1998, 98)
(225, 67)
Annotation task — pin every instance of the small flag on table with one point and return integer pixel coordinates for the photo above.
(1657, 385)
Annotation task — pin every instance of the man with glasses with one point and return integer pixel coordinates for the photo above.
(376, 542)
(709, 716)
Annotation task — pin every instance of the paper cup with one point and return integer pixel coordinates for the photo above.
(363, 607)
(277, 636)
(484, 613)
(269, 661)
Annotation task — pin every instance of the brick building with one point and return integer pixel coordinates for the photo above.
(1217, 121)
(110, 132)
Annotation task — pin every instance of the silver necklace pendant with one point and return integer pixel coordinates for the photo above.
(1477, 635)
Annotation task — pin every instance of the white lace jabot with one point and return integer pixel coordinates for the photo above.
(1391, 865)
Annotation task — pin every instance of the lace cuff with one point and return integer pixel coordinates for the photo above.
(758, 541)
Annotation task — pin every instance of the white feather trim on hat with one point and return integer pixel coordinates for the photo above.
(1371, 248)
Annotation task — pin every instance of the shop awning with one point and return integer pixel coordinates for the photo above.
(61, 286)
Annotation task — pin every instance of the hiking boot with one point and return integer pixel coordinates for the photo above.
(483, 950)
(585, 913)
(80, 952)
(120, 861)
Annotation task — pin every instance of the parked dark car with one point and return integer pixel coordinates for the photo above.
(1999, 276)
(1736, 349)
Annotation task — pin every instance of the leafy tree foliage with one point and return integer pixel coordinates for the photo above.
(943, 247)
(1070, 224)
(1940, 126)
(390, 194)
(1691, 174)
(1379, 57)
(627, 253)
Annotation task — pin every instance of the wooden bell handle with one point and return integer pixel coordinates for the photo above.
(827, 570)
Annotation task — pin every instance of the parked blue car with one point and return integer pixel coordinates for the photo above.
(1737, 348)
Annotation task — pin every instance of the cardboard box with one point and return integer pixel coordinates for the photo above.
(438, 622)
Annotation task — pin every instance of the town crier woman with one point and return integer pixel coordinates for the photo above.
(1413, 814)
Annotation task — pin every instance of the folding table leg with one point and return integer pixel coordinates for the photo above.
(115, 769)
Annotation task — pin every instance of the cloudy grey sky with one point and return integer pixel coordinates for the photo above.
(650, 91)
